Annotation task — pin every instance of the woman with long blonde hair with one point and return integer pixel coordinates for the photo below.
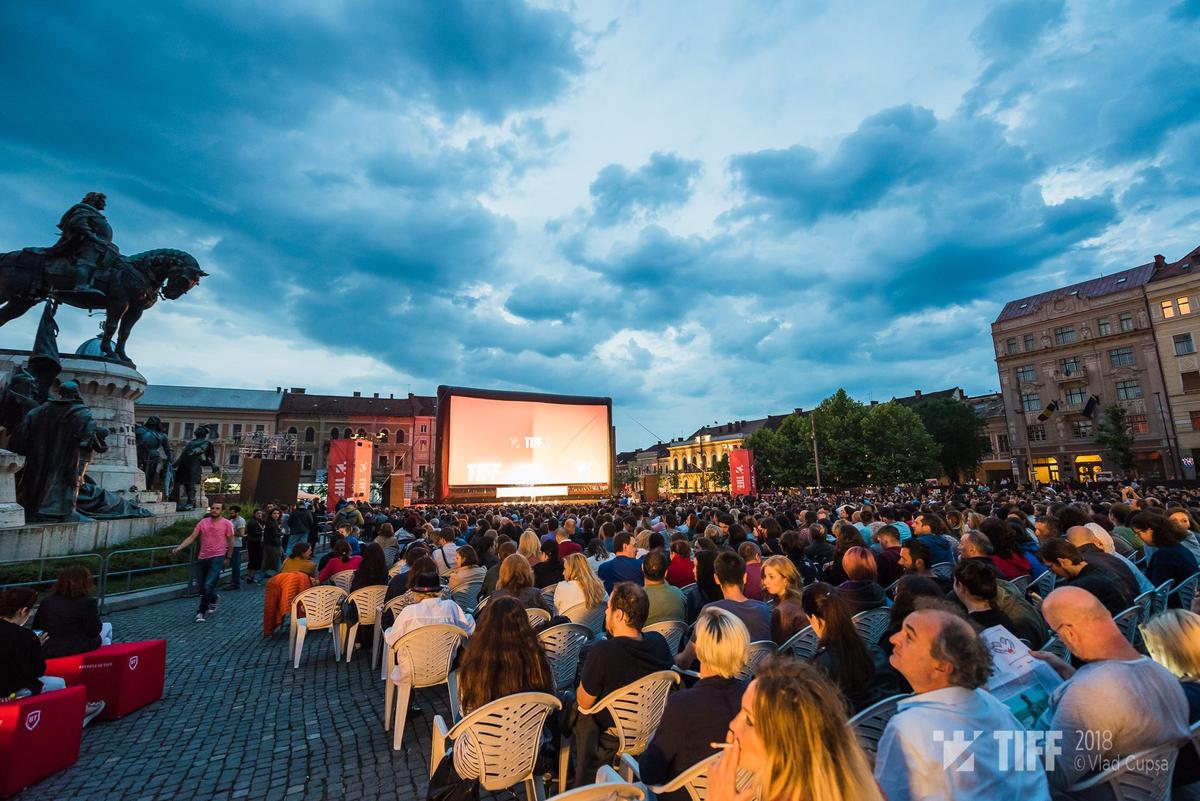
(580, 585)
(782, 588)
(530, 547)
(793, 736)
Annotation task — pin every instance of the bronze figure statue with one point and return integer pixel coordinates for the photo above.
(198, 453)
(152, 443)
(84, 269)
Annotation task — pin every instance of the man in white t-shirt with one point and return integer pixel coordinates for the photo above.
(235, 558)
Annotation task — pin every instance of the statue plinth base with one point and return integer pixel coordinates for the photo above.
(109, 389)
(12, 515)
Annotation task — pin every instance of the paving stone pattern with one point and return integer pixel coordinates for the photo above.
(236, 721)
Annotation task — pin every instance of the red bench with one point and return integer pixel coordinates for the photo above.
(125, 676)
(39, 736)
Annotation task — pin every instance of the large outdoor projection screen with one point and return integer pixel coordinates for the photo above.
(496, 446)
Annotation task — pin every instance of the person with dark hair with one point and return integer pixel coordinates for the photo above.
(22, 663)
(704, 590)
(272, 548)
(887, 560)
(625, 656)
(1008, 547)
(502, 657)
(730, 573)
(911, 590)
(914, 558)
(681, 571)
(550, 569)
(1170, 560)
(843, 656)
(516, 581)
(342, 560)
(625, 566)
(254, 544)
(467, 569)
(503, 551)
(975, 587)
(928, 529)
(666, 602)
(235, 558)
(372, 569)
(300, 560)
(1065, 561)
(947, 665)
(70, 616)
(1118, 515)
(860, 590)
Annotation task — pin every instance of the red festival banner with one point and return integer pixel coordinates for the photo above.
(349, 471)
(741, 472)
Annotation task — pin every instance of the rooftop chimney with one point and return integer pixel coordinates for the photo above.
(357, 394)
(411, 396)
(917, 393)
(297, 390)
(799, 411)
(279, 389)
(375, 395)
(1160, 261)
(876, 403)
(391, 396)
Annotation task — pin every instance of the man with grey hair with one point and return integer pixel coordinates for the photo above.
(974, 545)
(1117, 704)
(1083, 538)
(947, 664)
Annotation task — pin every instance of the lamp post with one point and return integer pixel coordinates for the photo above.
(816, 455)
(1166, 436)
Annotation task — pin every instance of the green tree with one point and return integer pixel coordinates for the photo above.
(425, 485)
(843, 449)
(900, 449)
(1113, 435)
(718, 473)
(958, 431)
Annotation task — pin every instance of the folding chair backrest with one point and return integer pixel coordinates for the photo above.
(1161, 592)
(637, 709)
(467, 596)
(804, 644)
(694, 780)
(428, 652)
(591, 617)
(1021, 583)
(1043, 584)
(343, 579)
(1187, 591)
(395, 569)
(871, 624)
(320, 606)
(869, 724)
(1128, 621)
(1143, 776)
(942, 569)
(390, 552)
(1145, 602)
(548, 594)
(498, 743)
(671, 630)
(537, 616)
(602, 792)
(755, 654)
(368, 599)
(562, 644)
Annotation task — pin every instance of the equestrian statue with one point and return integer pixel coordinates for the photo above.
(84, 269)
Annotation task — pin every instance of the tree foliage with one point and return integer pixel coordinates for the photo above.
(718, 473)
(958, 431)
(1115, 438)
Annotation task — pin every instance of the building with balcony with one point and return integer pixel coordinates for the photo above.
(1174, 300)
(1057, 350)
(689, 460)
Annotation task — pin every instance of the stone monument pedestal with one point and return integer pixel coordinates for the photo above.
(12, 515)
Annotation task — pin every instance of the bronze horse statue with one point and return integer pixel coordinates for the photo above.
(130, 285)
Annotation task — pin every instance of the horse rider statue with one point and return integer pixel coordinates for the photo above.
(86, 240)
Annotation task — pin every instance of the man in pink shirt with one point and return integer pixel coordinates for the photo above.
(216, 547)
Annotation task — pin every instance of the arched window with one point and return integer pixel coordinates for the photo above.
(348, 433)
(333, 433)
(292, 431)
(362, 433)
(310, 434)
(704, 460)
(382, 436)
(676, 465)
(399, 436)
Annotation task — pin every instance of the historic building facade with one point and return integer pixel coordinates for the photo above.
(1174, 300)
(1065, 355)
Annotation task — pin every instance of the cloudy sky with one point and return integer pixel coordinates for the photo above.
(708, 211)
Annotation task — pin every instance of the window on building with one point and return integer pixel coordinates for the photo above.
(1130, 390)
(1002, 443)
(1064, 335)
(234, 458)
(1070, 366)
(1183, 344)
(1075, 396)
(399, 436)
(1137, 424)
(310, 434)
(1010, 345)
(384, 462)
(1026, 374)
(306, 462)
(1030, 342)
(1191, 381)
(424, 429)
(1120, 356)
(333, 433)
(292, 431)
(421, 471)
(188, 430)
(1081, 429)
(1031, 402)
(1103, 327)
(424, 445)
(1126, 322)
(383, 435)
(1195, 420)
(259, 428)
(1168, 308)
(400, 462)
(1037, 433)
(236, 429)
(348, 433)
(362, 433)
(1185, 305)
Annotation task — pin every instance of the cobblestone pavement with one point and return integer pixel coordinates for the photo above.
(236, 721)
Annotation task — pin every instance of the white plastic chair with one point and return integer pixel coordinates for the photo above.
(320, 612)
(804, 644)
(1021, 583)
(869, 724)
(591, 617)
(498, 743)
(606, 791)
(425, 655)
(671, 630)
(755, 654)
(1128, 621)
(1144, 776)
(467, 596)
(636, 710)
(1043, 585)
(871, 624)
(942, 569)
(693, 781)
(1145, 602)
(548, 595)
(1161, 592)
(394, 606)
(343, 579)
(537, 616)
(396, 568)
(367, 600)
(1187, 591)
(563, 644)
